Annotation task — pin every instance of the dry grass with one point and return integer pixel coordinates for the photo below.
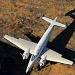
(57, 69)
(18, 17)
(22, 16)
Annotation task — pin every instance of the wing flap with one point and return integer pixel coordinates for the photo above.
(21, 43)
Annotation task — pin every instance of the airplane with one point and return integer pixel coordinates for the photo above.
(40, 50)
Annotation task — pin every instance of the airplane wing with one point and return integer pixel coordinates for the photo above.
(26, 45)
(56, 57)
(21, 43)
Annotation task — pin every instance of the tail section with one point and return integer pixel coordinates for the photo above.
(55, 19)
(54, 22)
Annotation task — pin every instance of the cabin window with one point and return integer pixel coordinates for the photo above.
(33, 57)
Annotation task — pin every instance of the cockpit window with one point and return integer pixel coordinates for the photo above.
(33, 57)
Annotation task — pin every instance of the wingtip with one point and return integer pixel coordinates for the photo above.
(5, 36)
(42, 17)
(26, 70)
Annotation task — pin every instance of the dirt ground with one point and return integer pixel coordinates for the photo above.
(21, 17)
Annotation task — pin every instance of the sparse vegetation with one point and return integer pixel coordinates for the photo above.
(19, 17)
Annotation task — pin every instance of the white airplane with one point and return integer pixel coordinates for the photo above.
(37, 49)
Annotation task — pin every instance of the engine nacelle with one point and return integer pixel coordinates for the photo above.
(25, 55)
(43, 61)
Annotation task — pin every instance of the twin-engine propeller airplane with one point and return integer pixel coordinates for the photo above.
(36, 49)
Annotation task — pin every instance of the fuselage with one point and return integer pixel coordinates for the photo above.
(40, 46)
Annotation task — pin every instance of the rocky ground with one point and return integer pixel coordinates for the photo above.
(21, 17)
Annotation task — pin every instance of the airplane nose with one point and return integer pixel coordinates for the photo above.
(27, 69)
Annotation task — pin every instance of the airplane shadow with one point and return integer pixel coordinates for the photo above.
(60, 42)
(11, 62)
(71, 14)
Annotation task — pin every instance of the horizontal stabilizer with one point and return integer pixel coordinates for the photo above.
(54, 22)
